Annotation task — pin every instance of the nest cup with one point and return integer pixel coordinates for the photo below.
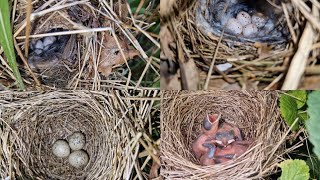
(257, 64)
(255, 113)
(38, 120)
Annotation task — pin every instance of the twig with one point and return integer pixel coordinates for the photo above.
(67, 32)
(212, 63)
(299, 61)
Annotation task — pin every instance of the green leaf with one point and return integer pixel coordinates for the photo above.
(313, 124)
(303, 115)
(294, 170)
(6, 41)
(300, 97)
(289, 110)
(314, 166)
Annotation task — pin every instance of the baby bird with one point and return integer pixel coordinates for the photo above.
(236, 149)
(209, 128)
(208, 158)
(226, 134)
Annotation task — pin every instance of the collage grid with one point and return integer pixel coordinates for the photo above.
(160, 89)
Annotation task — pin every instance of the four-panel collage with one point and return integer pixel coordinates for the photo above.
(160, 89)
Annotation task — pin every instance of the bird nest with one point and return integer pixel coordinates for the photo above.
(69, 44)
(268, 60)
(31, 122)
(254, 112)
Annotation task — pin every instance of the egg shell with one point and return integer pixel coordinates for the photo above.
(250, 30)
(77, 140)
(61, 148)
(233, 26)
(38, 51)
(78, 159)
(259, 19)
(244, 18)
(47, 41)
(39, 45)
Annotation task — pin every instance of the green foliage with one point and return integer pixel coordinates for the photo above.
(303, 115)
(289, 110)
(300, 96)
(148, 12)
(313, 124)
(292, 105)
(294, 170)
(314, 165)
(6, 41)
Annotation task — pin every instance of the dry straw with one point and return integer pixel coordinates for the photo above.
(255, 113)
(112, 122)
(88, 21)
(255, 66)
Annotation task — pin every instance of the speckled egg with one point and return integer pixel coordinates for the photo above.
(250, 30)
(233, 26)
(61, 149)
(48, 41)
(78, 159)
(259, 19)
(77, 140)
(244, 18)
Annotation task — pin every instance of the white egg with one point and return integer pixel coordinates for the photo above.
(259, 19)
(250, 30)
(78, 159)
(233, 26)
(77, 141)
(39, 45)
(244, 18)
(61, 148)
(38, 51)
(49, 40)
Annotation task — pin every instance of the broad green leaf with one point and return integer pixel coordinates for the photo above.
(313, 124)
(300, 97)
(303, 115)
(294, 170)
(289, 110)
(314, 166)
(6, 41)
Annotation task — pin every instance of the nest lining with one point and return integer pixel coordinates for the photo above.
(34, 121)
(210, 16)
(254, 112)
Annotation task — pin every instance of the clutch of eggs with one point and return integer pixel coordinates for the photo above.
(78, 158)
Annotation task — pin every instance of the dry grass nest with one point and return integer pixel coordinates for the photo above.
(112, 124)
(91, 39)
(254, 112)
(265, 63)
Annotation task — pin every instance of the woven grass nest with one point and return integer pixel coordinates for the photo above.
(269, 61)
(91, 39)
(254, 112)
(31, 122)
